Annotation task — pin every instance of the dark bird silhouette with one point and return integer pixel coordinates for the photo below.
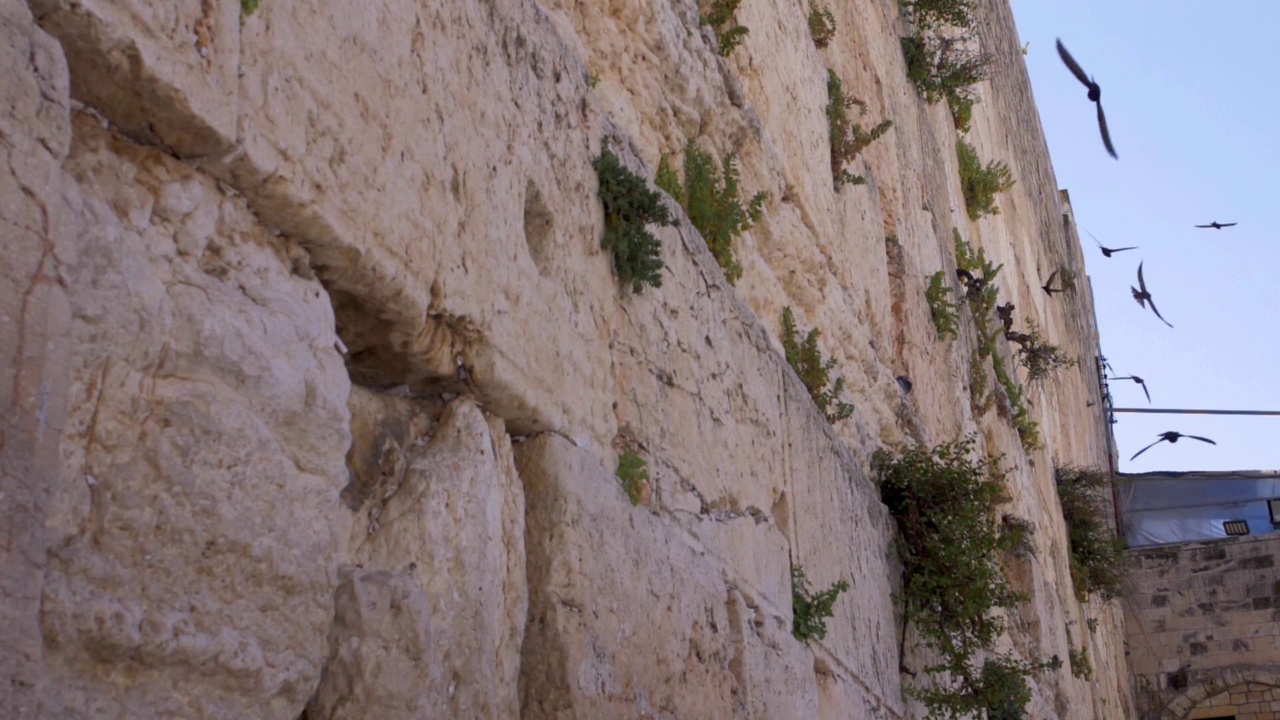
(1138, 380)
(1048, 287)
(1095, 94)
(1106, 251)
(973, 285)
(1172, 437)
(1014, 336)
(1217, 225)
(1005, 313)
(1143, 297)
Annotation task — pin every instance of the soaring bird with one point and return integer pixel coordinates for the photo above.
(1143, 297)
(1138, 380)
(1217, 225)
(1106, 251)
(1048, 286)
(1172, 437)
(1095, 94)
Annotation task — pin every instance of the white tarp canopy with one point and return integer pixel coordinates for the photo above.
(1158, 508)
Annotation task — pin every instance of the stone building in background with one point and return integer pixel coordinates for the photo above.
(1203, 614)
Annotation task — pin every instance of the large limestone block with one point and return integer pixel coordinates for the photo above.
(165, 72)
(452, 533)
(626, 617)
(775, 672)
(36, 233)
(196, 531)
(834, 509)
(382, 651)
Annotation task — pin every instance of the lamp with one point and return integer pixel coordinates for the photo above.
(1273, 505)
(1235, 527)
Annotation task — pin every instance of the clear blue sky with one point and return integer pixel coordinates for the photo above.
(1192, 100)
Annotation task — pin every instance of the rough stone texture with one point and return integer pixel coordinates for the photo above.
(416, 179)
(1199, 612)
(195, 525)
(382, 649)
(36, 232)
(448, 545)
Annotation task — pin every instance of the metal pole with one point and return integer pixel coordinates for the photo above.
(1169, 411)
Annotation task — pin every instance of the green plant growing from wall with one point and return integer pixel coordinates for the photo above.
(719, 15)
(1097, 553)
(712, 202)
(1079, 658)
(944, 67)
(806, 359)
(981, 307)
(941, 308)
(1041, 358)
(822, 25)
(248, 7)
(810, 610)
(846, 134)
(950, 537)
(633, 474)
(980, 184)
(629, 206)
(932, 14)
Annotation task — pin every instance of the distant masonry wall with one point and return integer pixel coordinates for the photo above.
(1204, 629)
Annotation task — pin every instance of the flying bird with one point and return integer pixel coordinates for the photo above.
(1217, 225)
(1106, 251)
(1143, 297)
(1138, 380)
(1095, 94)
(1172, 437)
(1048, 287)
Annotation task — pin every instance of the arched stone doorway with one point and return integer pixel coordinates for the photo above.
(1229, 694)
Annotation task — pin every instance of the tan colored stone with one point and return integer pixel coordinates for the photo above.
(195, 530)
(451, 533)
(37, 231)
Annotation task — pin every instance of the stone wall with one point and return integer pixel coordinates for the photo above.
(315, 375)
(1203, 623)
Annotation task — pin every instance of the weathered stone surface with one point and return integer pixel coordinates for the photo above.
(453, 527)
(196, 529)
(36, 234)
(382, 651)
(429, 165)
(625, 619)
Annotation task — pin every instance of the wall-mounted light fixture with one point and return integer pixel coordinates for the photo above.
(1235, 527)
(1274, 506)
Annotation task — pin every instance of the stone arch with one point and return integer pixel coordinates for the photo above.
(1212, 683)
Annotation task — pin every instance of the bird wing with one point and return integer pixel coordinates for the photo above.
(1202, 439)
(1141, 283)
(1106, 136)
(1135, 455)
(1204, 226)
(1072, 65)
(1140, 298)
(1144, 392)
(1049, 284)
(1135, 247)
(1152, 303)
(1095, 238)
(1228, 224)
